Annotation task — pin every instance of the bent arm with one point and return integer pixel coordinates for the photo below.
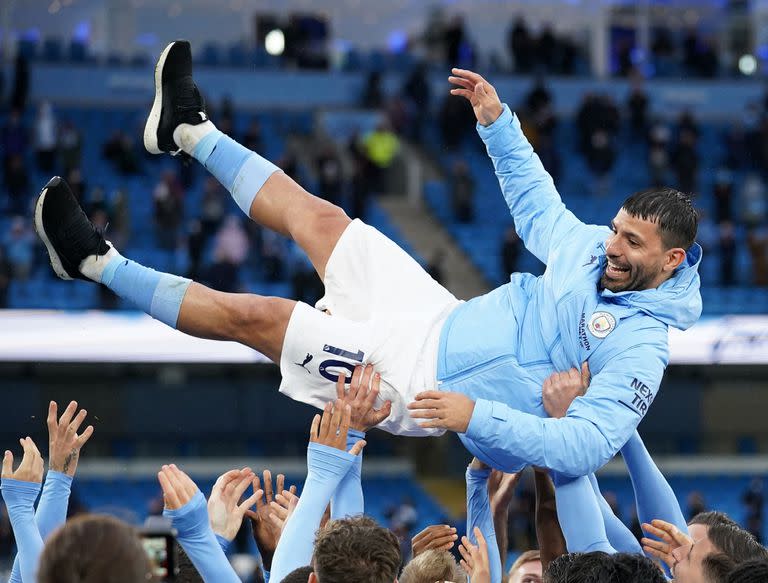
(595, 427)
(541, 219)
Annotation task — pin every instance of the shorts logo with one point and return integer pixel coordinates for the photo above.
(601, 324)
(304, 364)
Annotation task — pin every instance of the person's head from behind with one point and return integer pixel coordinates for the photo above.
(355, 549)
(651, 233)
(636, 568)
(526, 569)
(709, 559)
(698, 526)
(433, 565)
(94, 549)
(595, 567)
(300, 575)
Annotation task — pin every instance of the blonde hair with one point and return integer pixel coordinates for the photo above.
(526, 557)
(432, 565)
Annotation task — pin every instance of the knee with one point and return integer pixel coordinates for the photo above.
(255, 317)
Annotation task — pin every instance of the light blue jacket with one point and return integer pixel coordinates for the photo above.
(499, 348)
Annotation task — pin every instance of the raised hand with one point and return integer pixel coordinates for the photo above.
(178, 487)
(561, 388)
(282, 507)
(671, 538)
(435, 536)
(224, 508)
(481, 94)
(475, 558)
(31, 467)
(331, 429)
(443, 410)
(64, 444)
(265, 532)
(363, 391)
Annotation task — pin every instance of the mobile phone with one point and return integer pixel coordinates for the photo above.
(159, 544)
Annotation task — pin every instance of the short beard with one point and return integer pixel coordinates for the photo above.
(639, 280)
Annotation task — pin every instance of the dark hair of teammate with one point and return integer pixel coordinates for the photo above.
(300, 575)
(749, 572)
(581, 568)
(94, 549)
(356, 549)
(671, 210)
(636, 568)
(711, 518)
(736, 543)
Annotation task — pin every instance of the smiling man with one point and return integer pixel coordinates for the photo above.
(606, 297)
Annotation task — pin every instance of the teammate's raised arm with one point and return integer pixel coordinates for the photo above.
(225, 511)
(480, 94)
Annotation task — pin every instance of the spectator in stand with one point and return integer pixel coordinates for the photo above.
(596, 113)
(20, 90)
(120, 226)
(213, 207)
(230, 251)
(708, 62)
(273, 255)
(510, 252)
(658, 153)
(373, 94)
(252, 138)
(20, 246)
(549, 155)
(723, 195)
(754, 500)
(169, 210)
(77, 183)
(70, 147)
(5, 281)
(456, 121)
(120, 150)
(360, 181)
(727, 250)
(7, 542)
(381, 147)
(757, 244)
(521, 46)
(17, 186)
(45, 138)
(455, 42)
(637, 107)
(686, 162)
(735, 146)
(546, 49)
(696, 504)
(417, 95)
(601, 156)
(329, 175)
(13, 139)
(306, 285)
(688, 123)
(691, 51)
(462, 193)
(753, 201)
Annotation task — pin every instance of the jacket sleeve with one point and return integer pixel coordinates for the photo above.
(541, 219)
(579, 515)
(596, 426)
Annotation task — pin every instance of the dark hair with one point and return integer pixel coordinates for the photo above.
(188, 573)
(711, 518)
(300, 575)
(581, 568)
(736, 543)
(715, 567)
(94, 548)
(671, 210)
(749, 572)
(356, 549)
(636, 568)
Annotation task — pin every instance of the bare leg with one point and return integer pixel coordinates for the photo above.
(315, 224)
(256, 321)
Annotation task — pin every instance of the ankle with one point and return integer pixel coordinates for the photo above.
(93, 266)
(187, 135)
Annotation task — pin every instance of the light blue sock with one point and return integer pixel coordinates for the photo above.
(158, 294)
(241, 171)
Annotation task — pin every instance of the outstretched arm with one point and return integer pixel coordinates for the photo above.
(579, 515)
(327, 463)
(479, 514)
(548, 532)
(541, 218)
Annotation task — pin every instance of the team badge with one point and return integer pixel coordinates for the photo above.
(601, 324)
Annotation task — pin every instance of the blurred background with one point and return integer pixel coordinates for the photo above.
(350, 98)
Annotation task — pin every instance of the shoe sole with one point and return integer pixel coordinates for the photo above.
(58, 268)
(153, 120)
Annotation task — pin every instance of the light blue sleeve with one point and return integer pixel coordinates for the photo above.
(479, 514)
(223, 543)
(595, 427)
(579, 515)
(653, 494)
(51, 511)
(326, 467)
(541, 219)
(20, 501)
(619, 536)
(347, 500)
(196, 537)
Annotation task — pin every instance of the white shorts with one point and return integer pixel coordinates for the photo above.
(384, 310)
